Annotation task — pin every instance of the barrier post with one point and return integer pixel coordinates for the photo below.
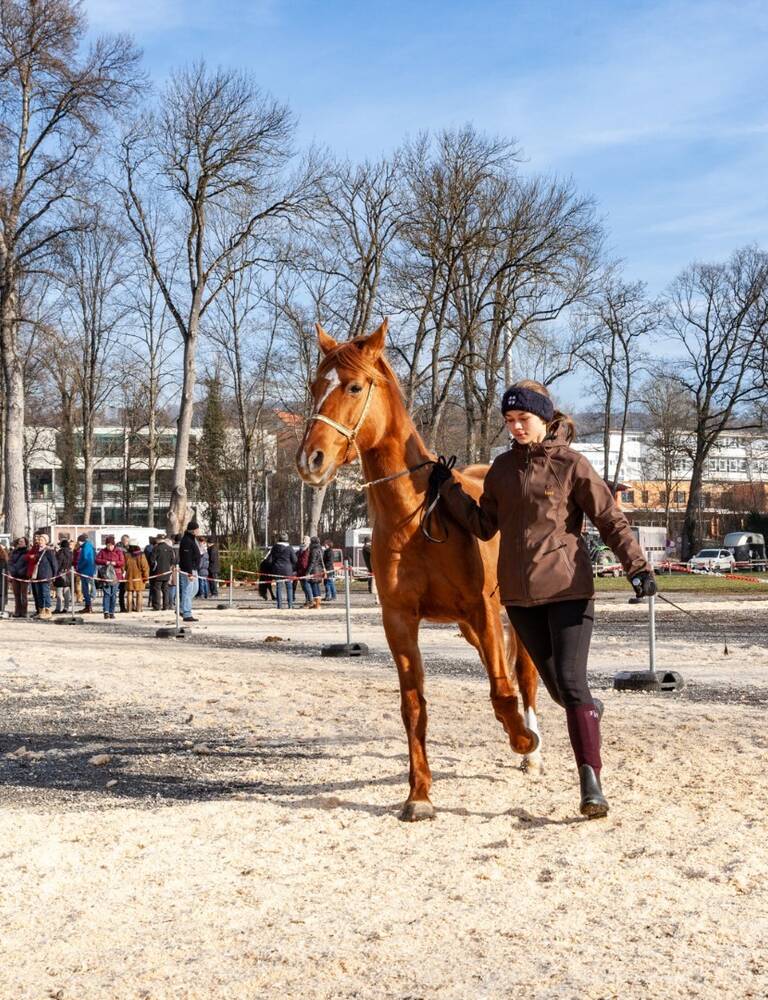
(652, 634)
(3, 595)
(347, 602)
(347, 648)
(71, 618)
(177, 632)
(230, 602)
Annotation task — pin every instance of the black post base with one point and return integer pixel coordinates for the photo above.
(648, 680)
(172, 633)
(345, 649)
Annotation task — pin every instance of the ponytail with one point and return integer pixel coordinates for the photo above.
(561, 423)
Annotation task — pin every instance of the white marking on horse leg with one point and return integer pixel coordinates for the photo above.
(532, 762)
(532, 722)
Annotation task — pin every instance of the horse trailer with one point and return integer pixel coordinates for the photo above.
(748, 548)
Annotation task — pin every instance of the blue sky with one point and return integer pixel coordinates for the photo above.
(658, 109)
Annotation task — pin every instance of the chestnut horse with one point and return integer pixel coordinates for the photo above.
(359, 409)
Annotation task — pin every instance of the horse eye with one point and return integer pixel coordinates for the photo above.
(354, 389)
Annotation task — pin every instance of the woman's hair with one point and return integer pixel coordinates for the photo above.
(560, 420)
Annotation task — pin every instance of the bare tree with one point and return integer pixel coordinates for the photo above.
(149, 343)
(671, 420)
(58, 358)
(717, 313)
(92, 272)
(216, 143)
(539, 257)
(446, 179)
(245, 334)
(617, 321)
(53, 102)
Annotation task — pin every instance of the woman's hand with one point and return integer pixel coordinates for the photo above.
(442, 471)
(644, 584)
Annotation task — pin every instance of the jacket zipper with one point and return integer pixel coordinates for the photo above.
(524, 522)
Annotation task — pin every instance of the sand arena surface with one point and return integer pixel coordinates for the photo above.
(250, 846)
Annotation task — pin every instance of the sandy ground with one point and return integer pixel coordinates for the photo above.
(242, 838)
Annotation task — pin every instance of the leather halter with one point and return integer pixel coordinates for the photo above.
(350, 435)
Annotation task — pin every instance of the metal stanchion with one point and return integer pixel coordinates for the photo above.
(3, 595)
(178, 632)
(347, 648)
(72, 618)
(230, 600)
(651, 679)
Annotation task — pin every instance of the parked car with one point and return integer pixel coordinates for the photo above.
(714, 561)
(604, 564)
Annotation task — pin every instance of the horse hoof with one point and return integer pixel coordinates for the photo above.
(412, 812)
(532, 764)
(528, 744)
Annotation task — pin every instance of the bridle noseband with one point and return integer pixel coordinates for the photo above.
(350, 435)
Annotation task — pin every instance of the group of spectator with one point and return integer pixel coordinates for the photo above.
(285, 567)
(122, 571)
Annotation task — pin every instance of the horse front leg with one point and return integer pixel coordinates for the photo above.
(524, 669)
(402, 631)
(484, 631)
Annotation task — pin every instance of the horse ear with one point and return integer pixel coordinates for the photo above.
(374, 343)
(326, 342)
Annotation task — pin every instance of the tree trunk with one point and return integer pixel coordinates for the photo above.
(691, 542)
(316, 509)
(68, 462)
(87, 475)
(177, 511)
(13, 450)
(250, 530)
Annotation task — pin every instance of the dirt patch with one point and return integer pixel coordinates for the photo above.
(251, 847)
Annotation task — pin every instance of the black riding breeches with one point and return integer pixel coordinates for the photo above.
(557, 635)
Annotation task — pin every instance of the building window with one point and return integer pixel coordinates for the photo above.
(706, 499)
(644, 496)
(679, 496)
(662, 496)
(628, 496)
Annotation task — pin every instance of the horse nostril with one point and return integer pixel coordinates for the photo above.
(316, 461)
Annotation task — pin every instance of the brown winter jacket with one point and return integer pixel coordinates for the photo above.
(136, 571)
(537, 496)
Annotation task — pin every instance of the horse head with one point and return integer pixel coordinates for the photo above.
(349, 406)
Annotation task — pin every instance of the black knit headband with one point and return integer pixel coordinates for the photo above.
(518, 398)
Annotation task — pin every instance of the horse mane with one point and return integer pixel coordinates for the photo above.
(350, 355)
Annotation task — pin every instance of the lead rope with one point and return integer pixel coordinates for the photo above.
(690, 614)
(431, 499)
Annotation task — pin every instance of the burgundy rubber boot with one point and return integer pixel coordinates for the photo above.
(584, 732)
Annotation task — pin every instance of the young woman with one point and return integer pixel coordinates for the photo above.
(110, 563)
(537, 494)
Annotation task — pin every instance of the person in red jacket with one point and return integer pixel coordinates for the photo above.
(110, 567)
(537, 494)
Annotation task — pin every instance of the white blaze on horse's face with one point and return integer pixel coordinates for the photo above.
(333, 380)
(311, 459)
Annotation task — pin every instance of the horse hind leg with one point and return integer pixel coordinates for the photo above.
(485, 634)
(523, 668)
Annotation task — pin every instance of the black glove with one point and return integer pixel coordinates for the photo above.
(441, 472)
(644, 584)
